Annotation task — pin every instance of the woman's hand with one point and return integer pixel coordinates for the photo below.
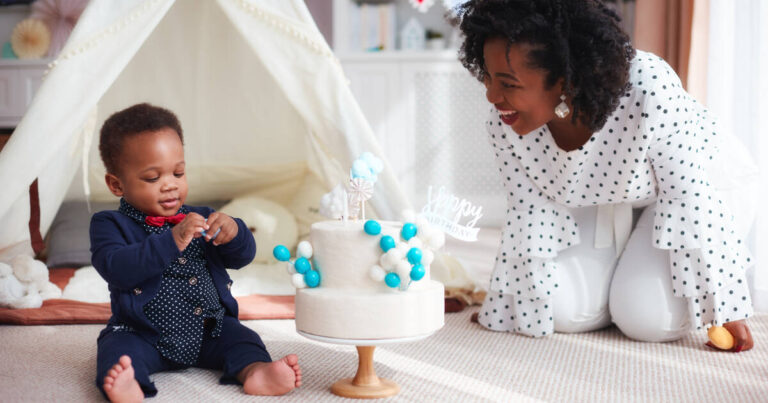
(224, 222)
(742, 337)
(189, 228)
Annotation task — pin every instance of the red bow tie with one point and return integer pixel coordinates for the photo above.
(159, 221)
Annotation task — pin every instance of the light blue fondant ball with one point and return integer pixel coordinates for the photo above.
(360, 169)
(302, 265)
(414, 256)
(372, 227)
(417, 272)
(387, 243)
(281, 253)
(409, 231)
(392, 280)
(312, 278)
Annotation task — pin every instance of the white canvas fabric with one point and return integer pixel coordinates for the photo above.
(261, 98)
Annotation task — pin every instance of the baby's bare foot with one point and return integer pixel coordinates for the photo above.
(272, 378)
(120, 384)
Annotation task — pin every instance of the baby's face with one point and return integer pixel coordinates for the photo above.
(152, 176)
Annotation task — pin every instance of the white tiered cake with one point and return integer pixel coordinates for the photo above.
(349, 303)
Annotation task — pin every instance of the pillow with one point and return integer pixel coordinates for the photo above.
(305, 205)
(270, 223)
(68, 239)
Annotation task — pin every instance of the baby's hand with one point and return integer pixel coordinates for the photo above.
(224, 225)
(189, 228)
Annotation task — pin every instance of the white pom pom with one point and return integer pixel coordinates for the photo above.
(377, 273)
(304, 249)
(437, 240)
(289, 267)
(408, 215)
(386, 261)
(427, 257)
(425, 233)
(415, 243)
(403, 269)
(298, 280)
(49, 291)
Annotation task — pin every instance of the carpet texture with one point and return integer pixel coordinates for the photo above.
(460, 363)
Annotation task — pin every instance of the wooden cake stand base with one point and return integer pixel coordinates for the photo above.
(366, 384)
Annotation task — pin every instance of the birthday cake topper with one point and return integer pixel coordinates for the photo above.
(349, 201)
(446, 211)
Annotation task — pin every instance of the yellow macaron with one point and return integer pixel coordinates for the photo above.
(720, 337)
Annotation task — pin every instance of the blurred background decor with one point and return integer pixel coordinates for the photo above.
(30, 39)
(60, 16)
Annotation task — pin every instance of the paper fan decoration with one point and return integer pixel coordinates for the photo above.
(60, 16)
(30, 39)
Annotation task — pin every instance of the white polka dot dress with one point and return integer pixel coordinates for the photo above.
(186, 299)
(655, 148)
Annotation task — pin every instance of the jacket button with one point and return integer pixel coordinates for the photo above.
(182, 260)
(198, 311)
(136, 291)
(192, 280)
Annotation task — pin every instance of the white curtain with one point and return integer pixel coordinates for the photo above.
(737, 92)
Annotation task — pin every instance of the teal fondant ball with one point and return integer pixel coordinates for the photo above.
(409, 231)
(302, 265)
(387, 243)
(281, 253)
(417, 272)
(414, 256)
(392, 280)
(372, 227)
(312, 278)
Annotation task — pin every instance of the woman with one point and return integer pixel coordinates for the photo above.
(585, 128)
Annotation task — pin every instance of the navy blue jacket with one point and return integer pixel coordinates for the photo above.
(132, 262)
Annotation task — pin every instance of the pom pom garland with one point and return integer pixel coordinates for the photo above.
(281, 253)
(302, 273)
(400, 260)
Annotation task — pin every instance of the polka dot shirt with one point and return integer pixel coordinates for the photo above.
(655, 148)
(187, 298)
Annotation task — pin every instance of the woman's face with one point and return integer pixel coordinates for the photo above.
(517, 90)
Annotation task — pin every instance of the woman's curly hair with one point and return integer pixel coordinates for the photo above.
(579, 41)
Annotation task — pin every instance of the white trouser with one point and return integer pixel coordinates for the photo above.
(636, 295)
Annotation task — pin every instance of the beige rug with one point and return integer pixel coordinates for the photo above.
(460, 363)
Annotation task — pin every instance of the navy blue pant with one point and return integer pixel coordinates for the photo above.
(236, 347)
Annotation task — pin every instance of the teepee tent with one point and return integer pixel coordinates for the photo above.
(261, 98)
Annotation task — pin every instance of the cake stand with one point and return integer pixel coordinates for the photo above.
(365, 384)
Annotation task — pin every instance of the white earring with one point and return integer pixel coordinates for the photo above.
(562, 110)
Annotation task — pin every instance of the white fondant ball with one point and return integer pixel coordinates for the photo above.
(289, 267)
(427, 257)
(304, 249)
(403, 248)
(298, 280)
(403, 269)
(397, 254)
(421, 223)
(377, 273)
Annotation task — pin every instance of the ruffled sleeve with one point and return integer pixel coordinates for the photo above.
(535, 231)
(691, 222)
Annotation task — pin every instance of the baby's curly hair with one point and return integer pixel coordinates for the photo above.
(131, 121)
(577, 40)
